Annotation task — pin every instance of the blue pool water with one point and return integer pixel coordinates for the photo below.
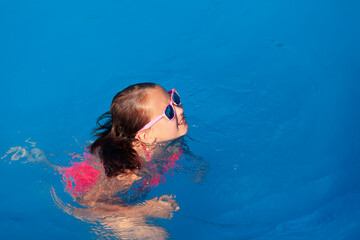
(269, 88)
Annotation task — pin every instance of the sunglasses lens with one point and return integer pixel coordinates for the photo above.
(176, 98)
(169, 112)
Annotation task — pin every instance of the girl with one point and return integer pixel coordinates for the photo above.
(143, 118)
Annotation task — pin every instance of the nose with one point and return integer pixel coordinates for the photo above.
(179, 110)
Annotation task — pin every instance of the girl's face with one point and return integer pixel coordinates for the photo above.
(163, 130)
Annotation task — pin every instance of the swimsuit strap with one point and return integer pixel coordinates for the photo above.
(147, 153)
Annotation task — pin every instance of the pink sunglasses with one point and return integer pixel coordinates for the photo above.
(169, 111)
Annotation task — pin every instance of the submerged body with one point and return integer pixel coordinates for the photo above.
(119, 204)
(87, 183)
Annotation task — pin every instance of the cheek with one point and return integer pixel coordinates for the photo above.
(168, 128)
(172, 127)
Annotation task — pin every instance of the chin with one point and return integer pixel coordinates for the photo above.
(186, 128)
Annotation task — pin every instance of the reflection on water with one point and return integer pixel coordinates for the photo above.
(118, 207)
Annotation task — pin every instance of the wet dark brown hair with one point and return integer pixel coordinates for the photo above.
(116, 129)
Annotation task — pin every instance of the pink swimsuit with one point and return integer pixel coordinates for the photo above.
(81, 176)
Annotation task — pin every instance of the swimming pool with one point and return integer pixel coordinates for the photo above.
(269, 90)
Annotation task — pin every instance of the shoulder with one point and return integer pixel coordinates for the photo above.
(129, 175)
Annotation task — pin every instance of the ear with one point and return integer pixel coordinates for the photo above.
(145, 136)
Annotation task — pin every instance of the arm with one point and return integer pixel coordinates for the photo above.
(162, 207)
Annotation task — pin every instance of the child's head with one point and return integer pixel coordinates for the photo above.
(137, 105)
(166, 119)
(141, 113)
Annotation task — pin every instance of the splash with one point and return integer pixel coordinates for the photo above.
(33, 155)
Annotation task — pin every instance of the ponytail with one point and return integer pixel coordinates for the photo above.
(116, 153)
(116, 130)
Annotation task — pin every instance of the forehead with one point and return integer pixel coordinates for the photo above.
(157, 99)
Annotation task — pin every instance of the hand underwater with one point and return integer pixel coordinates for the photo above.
(162, 207)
